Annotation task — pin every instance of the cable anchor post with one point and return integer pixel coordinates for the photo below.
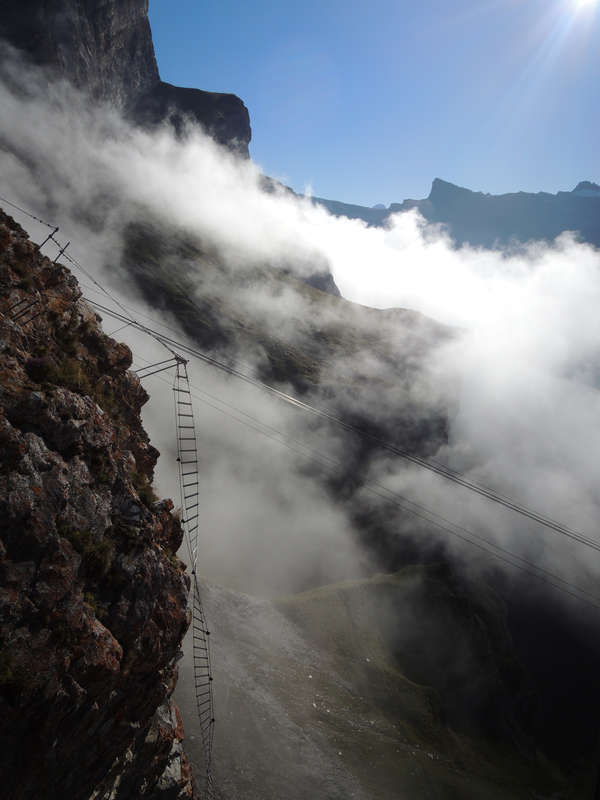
(47, 239)
(61, 252)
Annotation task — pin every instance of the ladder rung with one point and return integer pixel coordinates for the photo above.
(183, 403)
(183, 391)
(181, 414)
(189, 450)
(187, 496)
(18, 303)
(186, 427)
(189, 508)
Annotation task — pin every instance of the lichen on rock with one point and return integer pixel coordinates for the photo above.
(93, 600)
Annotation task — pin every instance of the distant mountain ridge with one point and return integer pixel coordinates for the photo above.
(486, 220)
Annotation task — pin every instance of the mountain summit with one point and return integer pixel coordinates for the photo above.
(587, 189)
(487, 220)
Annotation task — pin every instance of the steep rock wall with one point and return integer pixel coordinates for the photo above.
(93, 599)
(104, 47)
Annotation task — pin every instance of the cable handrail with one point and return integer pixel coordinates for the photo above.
(440, 470)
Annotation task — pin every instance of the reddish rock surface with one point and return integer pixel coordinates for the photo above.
(93, 599)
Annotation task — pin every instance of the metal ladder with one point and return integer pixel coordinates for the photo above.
(187, 459)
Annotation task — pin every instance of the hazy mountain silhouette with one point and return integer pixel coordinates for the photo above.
(487, 220)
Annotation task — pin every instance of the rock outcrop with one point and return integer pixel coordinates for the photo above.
(104, 47)
(93, 599)
(223, 116)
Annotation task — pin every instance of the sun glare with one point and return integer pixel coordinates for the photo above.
(580, 4)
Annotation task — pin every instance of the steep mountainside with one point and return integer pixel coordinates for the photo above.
(368, 366)
(486, 220)
(529, 664)
(104, 47)
(296, 333)
(399, 686)
(93, 599)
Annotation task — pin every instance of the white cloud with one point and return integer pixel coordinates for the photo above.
(519, 381)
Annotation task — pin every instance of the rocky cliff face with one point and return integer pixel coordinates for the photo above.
(93, 599)
(223, 116)
(104, 47)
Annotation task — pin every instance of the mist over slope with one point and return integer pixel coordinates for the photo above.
(499, 382)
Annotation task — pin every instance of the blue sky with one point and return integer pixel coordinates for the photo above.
(368, 102)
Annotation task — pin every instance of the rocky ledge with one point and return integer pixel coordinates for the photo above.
(93, 599)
